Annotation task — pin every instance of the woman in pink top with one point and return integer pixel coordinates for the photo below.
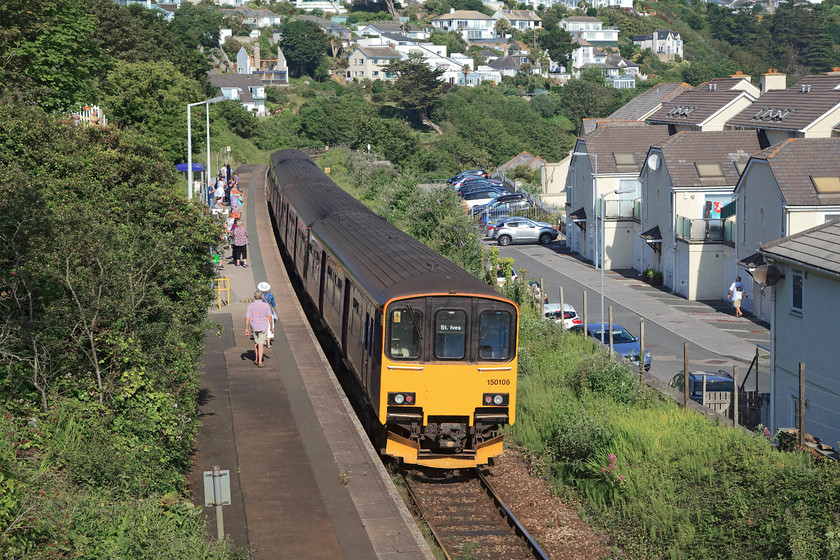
(240, 244)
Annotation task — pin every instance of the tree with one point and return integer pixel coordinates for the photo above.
(418, 86)
(151, 97)
(201, 22)
(49, 53)
(304, 45)
(453, 41)
(557, 43)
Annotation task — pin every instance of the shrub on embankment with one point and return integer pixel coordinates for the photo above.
(664, 481)
(104, 287)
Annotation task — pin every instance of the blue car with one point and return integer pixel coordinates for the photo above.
(470, 172)
(624, 343)
(720, 382)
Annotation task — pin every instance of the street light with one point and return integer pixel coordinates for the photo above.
(594, 197)
(623, 190)
(189, 141)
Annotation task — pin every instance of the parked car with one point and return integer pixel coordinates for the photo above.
(568, 316)
(720, 382)
(460, 187)
(524, 230)
(462, 174)
(477, 197)
(480, 186)
(506, 197)
(467, 179)
(501, 279)
(500, 210)
(624, 343)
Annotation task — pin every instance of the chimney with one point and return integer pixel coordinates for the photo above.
(772, 80)
(257, 57)
(451, 10)
(739, 74)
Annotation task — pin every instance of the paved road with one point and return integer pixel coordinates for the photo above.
(717, 339)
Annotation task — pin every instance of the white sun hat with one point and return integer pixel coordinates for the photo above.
(263, 286)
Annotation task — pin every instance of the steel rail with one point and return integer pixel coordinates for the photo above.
(517, 526)
(416, 502)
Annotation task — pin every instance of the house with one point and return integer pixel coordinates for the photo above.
(785, 189)
(371, 63)
(326, 6)
(471, 25)
(591, 30)
(506, 65)
(640, 107)
(522, 20)
(248, 89)
(586, 54)
(604, 160)
(808, 109)
(377, 28)
(686, 181)
(456, 67)
(707, 107)
(667, 45)
(524, 158)
(253, 17)
(329, 27)
(619, 72)
(805, 307)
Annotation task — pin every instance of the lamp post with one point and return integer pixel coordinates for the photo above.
(604, 247)
(189, 141)
(594, 197)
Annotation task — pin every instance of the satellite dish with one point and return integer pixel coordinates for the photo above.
(767, 274)
(653, 162)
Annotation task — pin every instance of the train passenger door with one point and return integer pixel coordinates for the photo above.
(345, 315)
(367, 343)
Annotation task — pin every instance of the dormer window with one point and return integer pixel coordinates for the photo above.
(624, 158)
(708, 170)
(826, 185)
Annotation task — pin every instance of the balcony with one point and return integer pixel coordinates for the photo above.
(705, 230)
(619, 209)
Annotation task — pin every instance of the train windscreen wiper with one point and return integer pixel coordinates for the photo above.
(414, 320)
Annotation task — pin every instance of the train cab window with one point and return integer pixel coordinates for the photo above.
(494, 335)
(450, 334)
(405, 333)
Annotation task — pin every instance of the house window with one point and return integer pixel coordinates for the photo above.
(744, 222)
(826, 185)
(375, 73)
(375, 61)
(624, 158)
(797, 292)
(708, 170)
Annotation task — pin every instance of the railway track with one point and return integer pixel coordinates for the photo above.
(468, 518)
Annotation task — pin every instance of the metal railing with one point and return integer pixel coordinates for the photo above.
(700, 229)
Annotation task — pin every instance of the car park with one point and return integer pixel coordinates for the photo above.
(501, 210)
(624, 343)
(524, 230)
(720, 382)
(568, 317)
(462, 174)
(477, 197)
(481, 186)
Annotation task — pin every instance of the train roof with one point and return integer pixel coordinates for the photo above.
(387, 262)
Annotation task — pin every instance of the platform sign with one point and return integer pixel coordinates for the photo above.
(211, 489)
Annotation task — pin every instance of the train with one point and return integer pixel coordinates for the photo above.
(432, 348)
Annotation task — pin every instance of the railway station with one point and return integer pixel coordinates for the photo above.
(305, 481)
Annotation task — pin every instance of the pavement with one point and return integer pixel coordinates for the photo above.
(305, 481)
(707, 325)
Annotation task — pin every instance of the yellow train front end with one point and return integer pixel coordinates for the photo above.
(448, 378)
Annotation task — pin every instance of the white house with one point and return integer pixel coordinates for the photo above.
(522, 20)
(664, 43)
(586, 54)
(247, 89)
(604, 160)
(686, 181)
(785, 189)
(804, 310)
(590, 30)
(469, 23)
(707, 107)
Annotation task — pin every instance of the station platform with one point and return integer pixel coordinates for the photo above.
(305, 480)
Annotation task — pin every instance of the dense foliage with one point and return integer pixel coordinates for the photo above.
(665, 481)
(104, 286)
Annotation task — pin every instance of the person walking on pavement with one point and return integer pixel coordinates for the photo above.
(268, 297)
(240, 244)
(258, 321)
(736, 292)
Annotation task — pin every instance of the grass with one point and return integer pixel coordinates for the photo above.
(664, 481)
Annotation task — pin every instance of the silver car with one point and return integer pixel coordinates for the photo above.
(523, 230)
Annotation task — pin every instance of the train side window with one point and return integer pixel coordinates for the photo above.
(405, 336)
(494, 335)
(450, 334)
(355, 318)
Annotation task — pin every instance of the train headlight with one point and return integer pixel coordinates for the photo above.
(496, 399)
(401, 398)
